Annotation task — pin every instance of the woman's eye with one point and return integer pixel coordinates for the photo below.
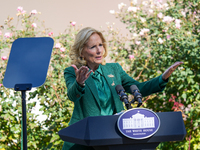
(100, 44)
(92, 47)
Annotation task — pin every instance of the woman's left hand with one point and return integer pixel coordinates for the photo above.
(170, 70)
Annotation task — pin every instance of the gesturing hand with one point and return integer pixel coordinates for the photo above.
(170, 70)
(82, 74)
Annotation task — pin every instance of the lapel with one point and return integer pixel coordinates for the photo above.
(93, 89)
(110, 78)
(112, 81)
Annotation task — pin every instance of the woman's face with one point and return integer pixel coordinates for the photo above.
(93, 51)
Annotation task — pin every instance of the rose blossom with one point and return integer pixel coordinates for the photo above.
(50, 33)
(34, 12)
(142, 19)
(58, 45)
(121, 5)
(177, 21)
(4, 58)
(23, 12)
(137, 42)
(73, 23)
(145, 3)
(131, 56)
(135, 35)
(134, 2)
(34, 25)
(112, 11)
(62, 49)
(1, 84)
(134, 9)
(19, 9)
(178, 26)
(183, 13)
(0, 32)
(167, 19)
(141, 33)
(160, 41)
(151, 11)
(145, 30)
(168, 37)
(159, 15)
(8, 34)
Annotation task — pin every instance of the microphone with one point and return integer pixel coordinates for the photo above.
(123, 97)
(137, 95)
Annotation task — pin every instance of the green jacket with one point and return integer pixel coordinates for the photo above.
(86, 103)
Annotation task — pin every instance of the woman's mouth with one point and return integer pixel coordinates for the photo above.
(99, 57)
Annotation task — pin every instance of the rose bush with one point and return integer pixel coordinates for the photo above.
(51, 99)
(161, 34)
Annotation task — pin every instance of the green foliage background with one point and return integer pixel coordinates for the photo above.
(153, 46)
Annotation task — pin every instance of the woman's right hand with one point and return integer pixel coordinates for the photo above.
(82, 74)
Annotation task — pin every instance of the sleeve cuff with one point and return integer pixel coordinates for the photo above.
(162, 83)
(80, 89)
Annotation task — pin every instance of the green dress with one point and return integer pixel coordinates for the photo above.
(99, 96)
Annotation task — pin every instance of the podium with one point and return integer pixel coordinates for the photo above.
(102, 133)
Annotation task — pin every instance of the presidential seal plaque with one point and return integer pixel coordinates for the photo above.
(138, 123)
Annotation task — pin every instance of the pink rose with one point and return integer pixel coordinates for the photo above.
(159, 15)
(134, 9)
(178, 26)
(137, 42)
(145, 30)
(62, 55)
(8, 34)
(183, 13)
(23, 11)
(34, 12)
(50, 33)
(58, 45)
(168, 37)
(1, 84)
(121, 5)
(131, 56)
(73, 23)
(0, 32)
(167, 19)
(19, 9)
(4, 58)
(177, 21)
(34, 25)
(62, 49)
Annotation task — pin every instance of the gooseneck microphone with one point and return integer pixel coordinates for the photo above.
(137, 95)
(123, 97)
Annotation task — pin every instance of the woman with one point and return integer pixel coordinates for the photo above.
(91, 82)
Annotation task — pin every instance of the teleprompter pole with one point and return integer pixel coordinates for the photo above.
(24, 120)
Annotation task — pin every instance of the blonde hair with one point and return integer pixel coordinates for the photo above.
(81, 40)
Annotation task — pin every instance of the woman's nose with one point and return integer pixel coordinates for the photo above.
(98, 49)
